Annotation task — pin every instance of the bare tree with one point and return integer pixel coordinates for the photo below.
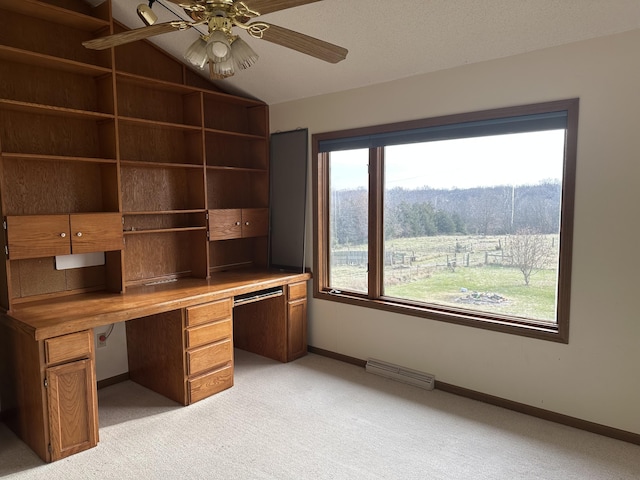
(530, 252)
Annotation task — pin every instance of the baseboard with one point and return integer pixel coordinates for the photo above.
(123, 377)
(541, 413)
(337, 356)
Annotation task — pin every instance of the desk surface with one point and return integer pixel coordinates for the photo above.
(50, 318)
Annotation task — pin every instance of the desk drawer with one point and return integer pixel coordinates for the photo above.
(210, 383)
(209, 312)
(207, 357)
(68, 347)
(297, 290)
(208, 333)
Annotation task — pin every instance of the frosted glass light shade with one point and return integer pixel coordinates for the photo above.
(218, 47)
(243, 54)
(196, 54)
(223, 69)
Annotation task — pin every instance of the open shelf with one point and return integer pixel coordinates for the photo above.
(56, 158)
(27, 87)
(42, 109)
(45, 25)
(28, 186)
(164, 256)
(161, 189)
(35, 59)
(58, 14)
(170, 107)
(222, 150)
(237, 188)
(64, 132)
(162, 221)
(159, 143)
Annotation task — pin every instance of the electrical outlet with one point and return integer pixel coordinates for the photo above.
(102, 340)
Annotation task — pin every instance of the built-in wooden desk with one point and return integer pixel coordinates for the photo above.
(180, 340)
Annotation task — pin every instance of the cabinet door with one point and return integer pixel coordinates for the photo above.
(34, 236)
(72, 399)
(255, 222)
(96, 232)
(297, 329)
(225, 224)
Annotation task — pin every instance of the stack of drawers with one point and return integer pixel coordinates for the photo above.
(209, 349)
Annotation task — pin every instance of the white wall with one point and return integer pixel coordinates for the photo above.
(596, 376)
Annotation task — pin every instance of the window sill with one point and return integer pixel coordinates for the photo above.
(522, 327)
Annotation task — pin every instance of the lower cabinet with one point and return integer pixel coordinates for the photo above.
(209, 353)
(185, 355)
(72, 406)
(296, 320)
(50, 401)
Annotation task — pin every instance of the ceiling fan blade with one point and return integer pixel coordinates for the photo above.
(267, 6)
(116, 39)
(304, 44)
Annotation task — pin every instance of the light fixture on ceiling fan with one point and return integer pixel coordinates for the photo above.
(223, 50)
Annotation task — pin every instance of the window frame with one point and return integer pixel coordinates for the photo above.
(558, 332)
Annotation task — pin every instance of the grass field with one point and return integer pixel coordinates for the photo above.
(469, 272)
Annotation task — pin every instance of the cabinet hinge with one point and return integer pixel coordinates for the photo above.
(46, 383)
(4, 224)
(6, 250)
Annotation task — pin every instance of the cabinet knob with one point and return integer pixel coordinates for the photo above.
(63, 235)
(246, 223)
(79, 234)
(237, 223)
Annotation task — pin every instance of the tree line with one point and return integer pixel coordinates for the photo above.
(498, 210)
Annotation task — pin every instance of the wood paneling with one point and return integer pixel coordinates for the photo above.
(155, 351)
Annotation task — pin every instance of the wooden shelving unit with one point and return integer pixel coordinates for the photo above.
(130, 131)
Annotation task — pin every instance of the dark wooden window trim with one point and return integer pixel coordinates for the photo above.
(554, 332)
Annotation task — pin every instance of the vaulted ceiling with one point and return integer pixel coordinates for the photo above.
(388, 40)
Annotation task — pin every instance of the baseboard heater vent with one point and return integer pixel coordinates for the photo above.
(401, 374)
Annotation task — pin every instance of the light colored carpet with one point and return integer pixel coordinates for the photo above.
(317, 418)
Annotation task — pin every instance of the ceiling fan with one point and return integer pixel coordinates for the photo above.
(219, 46)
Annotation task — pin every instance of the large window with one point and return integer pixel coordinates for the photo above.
(466, 218)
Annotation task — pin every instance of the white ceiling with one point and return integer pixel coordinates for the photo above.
(388, 39)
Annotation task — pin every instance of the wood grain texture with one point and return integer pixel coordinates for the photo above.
(206, 357)
(225, 224)
(148, 142)
(211, 332)
(78, 187)
(210, 383)
(161, 189)
(36, 84)
(59, 316)
(61, 135)
(95, 232)
(42, 31)
(142, 58)
(72, 406)
(297, 290)
(68, 347)
(239, 152)
(261, 328)
(155, 347)
(23, 398)
(38, 236)
(209, 312)
(296, 329)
